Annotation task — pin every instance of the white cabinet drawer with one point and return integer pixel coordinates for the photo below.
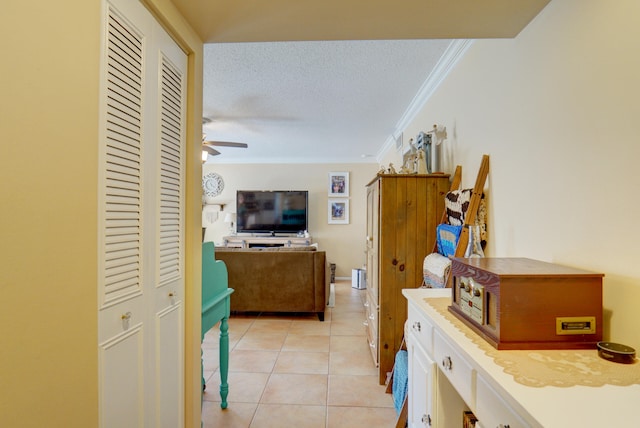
(457, 369)
(421, 329)
(492, 410)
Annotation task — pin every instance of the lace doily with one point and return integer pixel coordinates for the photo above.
(538, 368)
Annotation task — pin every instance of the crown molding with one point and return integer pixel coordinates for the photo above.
(455, 51)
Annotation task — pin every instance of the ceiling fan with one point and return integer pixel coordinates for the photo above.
(207, 146)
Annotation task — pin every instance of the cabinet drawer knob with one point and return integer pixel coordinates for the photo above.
(503, 426)
(416, 326)
(447, 363)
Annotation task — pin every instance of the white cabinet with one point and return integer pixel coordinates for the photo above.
(449, 373)
(444, 382)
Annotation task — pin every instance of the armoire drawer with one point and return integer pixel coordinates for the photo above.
(372, 341)
(371, 323)
(371, 313)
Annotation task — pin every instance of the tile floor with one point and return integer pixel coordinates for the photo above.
(295, 371)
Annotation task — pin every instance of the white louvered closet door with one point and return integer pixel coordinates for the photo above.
(141, 240)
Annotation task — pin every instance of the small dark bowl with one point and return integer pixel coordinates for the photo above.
(616, 352)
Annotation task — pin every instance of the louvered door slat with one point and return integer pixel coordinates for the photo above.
(123, 39)
(122, 139)
(170, 150)
(170, 230)
(170, 187)
(123, 230)
(122, 252)
(123, 212)
(121, 244)
(123, 124)
(124, 169)
(124, 184)
(123, 105)
(120, 285)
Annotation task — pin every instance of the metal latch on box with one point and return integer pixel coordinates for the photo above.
(575, 325)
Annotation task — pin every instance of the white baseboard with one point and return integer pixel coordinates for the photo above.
(332, 296)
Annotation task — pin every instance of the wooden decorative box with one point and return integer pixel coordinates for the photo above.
(519, 303)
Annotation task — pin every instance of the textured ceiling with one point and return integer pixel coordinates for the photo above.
(330, 101)
(329, 81)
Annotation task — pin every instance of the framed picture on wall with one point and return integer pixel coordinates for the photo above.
(338, 211)
(339, 184)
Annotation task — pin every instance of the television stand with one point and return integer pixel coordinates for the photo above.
(235, 241)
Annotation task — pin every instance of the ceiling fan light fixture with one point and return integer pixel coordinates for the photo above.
(205, 156)
(210, 150)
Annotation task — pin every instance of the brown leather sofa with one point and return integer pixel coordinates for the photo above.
(277, 279)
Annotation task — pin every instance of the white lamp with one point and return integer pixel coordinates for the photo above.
(229, 218)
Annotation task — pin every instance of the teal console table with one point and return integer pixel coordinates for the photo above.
(215, 308)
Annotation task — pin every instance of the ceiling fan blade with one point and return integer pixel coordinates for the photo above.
(226, 144)
(210, 150)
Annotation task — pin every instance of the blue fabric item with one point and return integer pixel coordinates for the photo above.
(400, 379)
(447, 238)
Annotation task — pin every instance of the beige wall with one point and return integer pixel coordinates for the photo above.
(557, 110)
(48, 158)
(344, 244)
(48, 224)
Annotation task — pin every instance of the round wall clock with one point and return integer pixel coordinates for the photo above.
(212, 184)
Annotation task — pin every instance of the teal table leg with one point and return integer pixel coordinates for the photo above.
(202, 367)
(224, 361)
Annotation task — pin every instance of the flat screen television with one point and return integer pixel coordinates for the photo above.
(271, 211)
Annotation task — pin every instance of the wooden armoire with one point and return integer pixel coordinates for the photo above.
(403, 211)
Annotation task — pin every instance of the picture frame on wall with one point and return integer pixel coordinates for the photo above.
(339, 184)
(338, 212)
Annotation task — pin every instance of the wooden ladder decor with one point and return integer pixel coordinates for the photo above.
(474, 204)
(461, 246)
(455, 185)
